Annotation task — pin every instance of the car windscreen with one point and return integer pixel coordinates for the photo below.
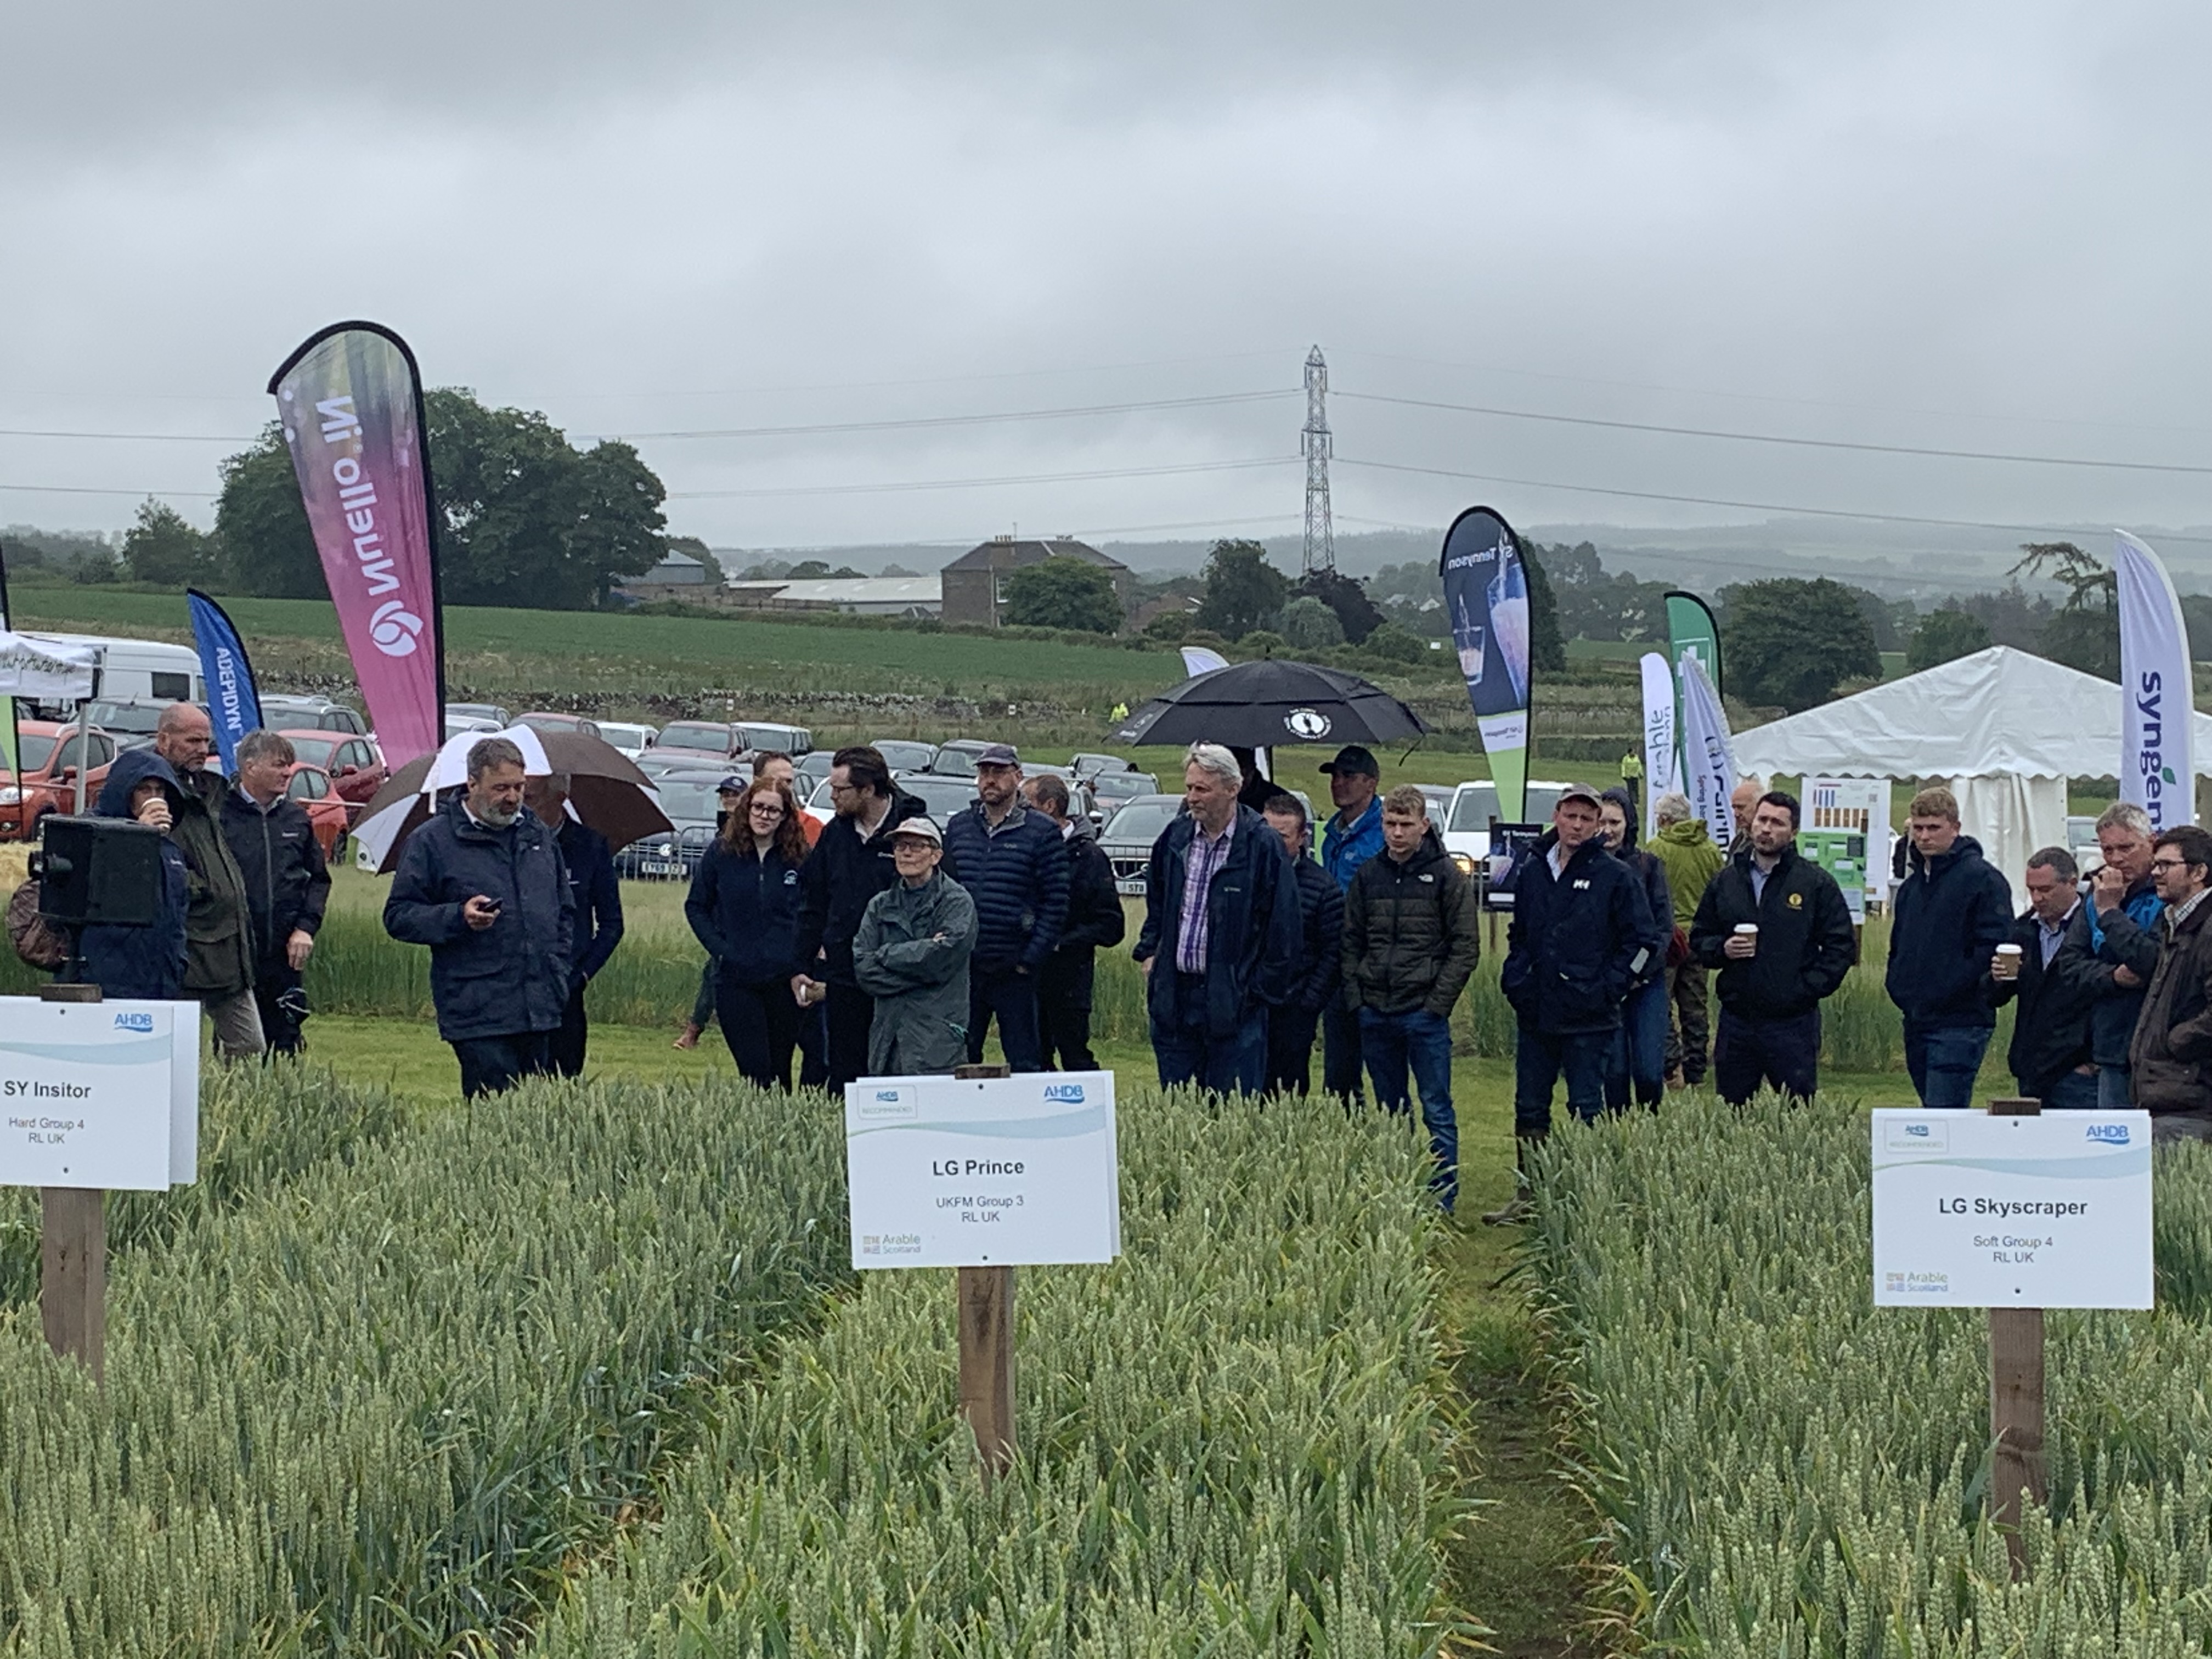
(1473, 811)
(944, 796)
(696, 734)
(906, 756)
(688, 800)
(316, 752)
(1124, 786)
(1141, 821)
(126, 717)
(35, 751)
(954, 763)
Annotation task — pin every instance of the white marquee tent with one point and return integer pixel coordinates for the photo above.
(2006, 728)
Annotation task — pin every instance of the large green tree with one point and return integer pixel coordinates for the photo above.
(163, 547)
(1347, 599)
(1242, 590)
(1792, 642)
(1063, 592)
(1944, 635)
(2083, 632)
(526, 519)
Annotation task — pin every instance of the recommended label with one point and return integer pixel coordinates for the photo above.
(99, 1094)
(1971, 1211)
(990, 1172)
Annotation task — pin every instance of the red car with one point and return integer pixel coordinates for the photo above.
(327, 811)
(354, 768)
(49, 750)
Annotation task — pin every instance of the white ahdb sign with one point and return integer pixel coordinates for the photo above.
(1974, 1210)
(982, 1172)
(99, 1094)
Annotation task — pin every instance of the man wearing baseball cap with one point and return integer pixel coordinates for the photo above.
(1352, 837)
(1013, 864)
(1581, 932)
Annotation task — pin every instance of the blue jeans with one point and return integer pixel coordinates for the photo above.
(1944, 1060)
(1422, 1041)
(2071, 1091)
(2116, 1088)
(1186, 1054)
(1539, 1057)
(1638, 1055)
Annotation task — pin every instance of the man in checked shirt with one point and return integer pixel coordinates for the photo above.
(1222, 935)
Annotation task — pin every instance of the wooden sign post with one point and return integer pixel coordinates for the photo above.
(73, 1250)
(2016, 1458)
(986, 1344)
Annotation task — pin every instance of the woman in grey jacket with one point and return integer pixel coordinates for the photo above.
(911, 956)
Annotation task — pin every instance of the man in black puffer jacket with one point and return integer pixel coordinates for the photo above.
(1014, 866)
(1293, 1022)
(1772, 983)
(286, 883)
(1410, 945)
(1096, 922)
(850, 865)
(1579, 939)
(1951, 911)
(483, 885)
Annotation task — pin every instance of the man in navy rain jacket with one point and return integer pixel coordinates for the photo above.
(1015, 866)
(143, 962)
(1950, 912)
(598, 916)
(1581, 935)
(1220, 940)
(483, 885)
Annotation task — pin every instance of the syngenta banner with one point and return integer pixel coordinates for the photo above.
(351, 403)
(1486, 598)
(233, 703)
(2155, 706)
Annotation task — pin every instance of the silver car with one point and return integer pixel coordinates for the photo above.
(1126, 838)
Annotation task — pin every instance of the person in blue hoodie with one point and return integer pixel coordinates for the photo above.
(143, 962)
(1349, 838)
(1951, 910)
(743, 906)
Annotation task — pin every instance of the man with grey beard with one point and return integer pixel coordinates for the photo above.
(483, 885)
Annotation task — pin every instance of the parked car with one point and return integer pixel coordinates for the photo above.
(1126, 838)
(279, 712)
(355, 767)
(499, 717)
(545, 721)
(716, 739)
(812, 768)
(657, 762)
(755, 736)
(1466, 832)
(1110, 789)
(1087, 765)
(457, 724)
(944, 796)
(328, 815)
(901, 755)
(957, 759)
(691, 804)
(130, 720)
(628, 735)
(49, 752)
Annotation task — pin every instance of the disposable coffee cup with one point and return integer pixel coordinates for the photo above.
(1748, 932)
(2008, 961)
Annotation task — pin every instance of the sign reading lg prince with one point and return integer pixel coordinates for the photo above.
(351, 403)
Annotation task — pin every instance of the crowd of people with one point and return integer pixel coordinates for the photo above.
(884, 943)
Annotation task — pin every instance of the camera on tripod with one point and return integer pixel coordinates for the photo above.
(96, 873)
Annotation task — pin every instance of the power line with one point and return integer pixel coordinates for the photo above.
(133, 437)
(1714, 501)
(89, 489)
(981, 483)
(1771, 438)
(906, 422)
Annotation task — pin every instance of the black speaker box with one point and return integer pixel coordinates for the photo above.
(99, 871)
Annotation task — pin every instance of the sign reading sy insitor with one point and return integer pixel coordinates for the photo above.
(99, 1094)
(982, 1172)
(1973, 1211)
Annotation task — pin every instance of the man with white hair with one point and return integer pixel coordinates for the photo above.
(1221, 938)
(1685, 846)
(1741, 802)
(2112, 946)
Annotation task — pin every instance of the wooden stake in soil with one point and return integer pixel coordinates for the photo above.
(73, 1250)
(986, 1344)
(2016, 1459)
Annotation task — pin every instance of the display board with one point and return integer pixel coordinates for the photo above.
(1862, 804)
(1972, 1210)
(99, 1094)
(982, 1172)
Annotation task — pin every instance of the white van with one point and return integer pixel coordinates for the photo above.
(1467, 830)
(138, 670)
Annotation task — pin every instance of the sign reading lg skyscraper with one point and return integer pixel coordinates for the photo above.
(351, 402)
(1486, 599)
(2156, 709)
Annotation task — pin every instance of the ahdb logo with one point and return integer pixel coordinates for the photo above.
(134, 1022)
(1070, 1094)
(1919, 1130)
(2112, 1134)
(887, 1094)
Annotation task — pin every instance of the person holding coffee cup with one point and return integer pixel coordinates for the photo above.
(1776, 927)
(2051, 1056)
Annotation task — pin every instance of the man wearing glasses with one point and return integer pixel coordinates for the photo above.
(2170, 1058)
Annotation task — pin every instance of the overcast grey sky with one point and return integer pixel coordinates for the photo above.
(1978, 228)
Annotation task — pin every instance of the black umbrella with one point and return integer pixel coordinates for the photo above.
(1259, 705)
